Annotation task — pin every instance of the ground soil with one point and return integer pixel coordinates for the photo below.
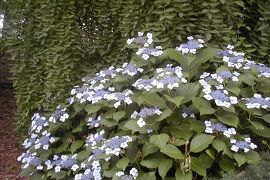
(10, 147)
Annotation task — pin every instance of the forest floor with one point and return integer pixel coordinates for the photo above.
(10, 147)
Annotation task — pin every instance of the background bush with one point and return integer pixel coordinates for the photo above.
(53, 43)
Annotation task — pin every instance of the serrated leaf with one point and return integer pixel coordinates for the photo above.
(119, 115)
(159, 140)
(76, 145)
(148, 148)
(218, 144)
(178, 100)
(180, 176)
(164, 167)
(226, 165)
(198, 166)
(122, 163)
(257, 125)
(228, 118)
(152, 99)
(172, 151)
(203, 106)
(261, 132)
(90, 108)
(266, 118)
(252, 157)
(166, 113)
(150, 163)
(240, 159)
(200, 142)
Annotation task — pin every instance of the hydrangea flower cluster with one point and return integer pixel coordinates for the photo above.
(62, 162)
(257, 101)
(219, 127)
(263, 70)
(30, 159)
(143, 114)
(133, 173)
(229, 133)
(220, 96)
(92, 171)
(141, 39)
(169, 77)
(191, 46)
(44, 141)
(129, 69)
(94, 122)
(59, 115)
(38, 123)
(245, 145)
(221, 76)
(187, 112)
(146, 53)
(232, 58)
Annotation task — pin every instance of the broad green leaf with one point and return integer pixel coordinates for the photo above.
(27, 171)
(166, 113)
(164, 167)
(122, 163)
(218, 144)
(266, 118)
(181, 133)
(82, 155)
(119, 115)
(172, 151)
(180, 176)
(90, 108)
(150, 163)
(240, 159)
(200, 142)
(178, 100)
(148, 148)
(188, 90)
(159, 140)
(252, 157)
(198, 166)
(228, 118)
(261, 132)
(152, 99)
(226, 165)
(257, 125)
(148, 176)
(76, 145)
(203, 106)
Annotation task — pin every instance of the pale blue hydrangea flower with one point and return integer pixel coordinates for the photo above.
(219, 127)
(257, 101)
(191, 46)
(245, 145)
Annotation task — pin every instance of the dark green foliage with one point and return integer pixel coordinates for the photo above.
(55, 42)
(251, 172)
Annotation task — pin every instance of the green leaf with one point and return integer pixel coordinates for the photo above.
(82, 155)
(164, 167)
(150, 163)
(152, 99)
(240, 159)
(159, 140)
(261, 132)
(257, 125)
(148, 148)
(200, 142)
(178, 100)
(252, 157)
(76, 145)
(226, 165)
(266, 118)
(203, 106)
(90, 108)
(148, 176)
(119, 115)
(188, 90)
(218, 144)
(172, 151)
(166, 113)
(180, 176)
(198, 166)
(122, 163)
(27, 171)
(228, 118)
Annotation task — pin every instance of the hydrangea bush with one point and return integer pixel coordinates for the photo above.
(167, 113)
